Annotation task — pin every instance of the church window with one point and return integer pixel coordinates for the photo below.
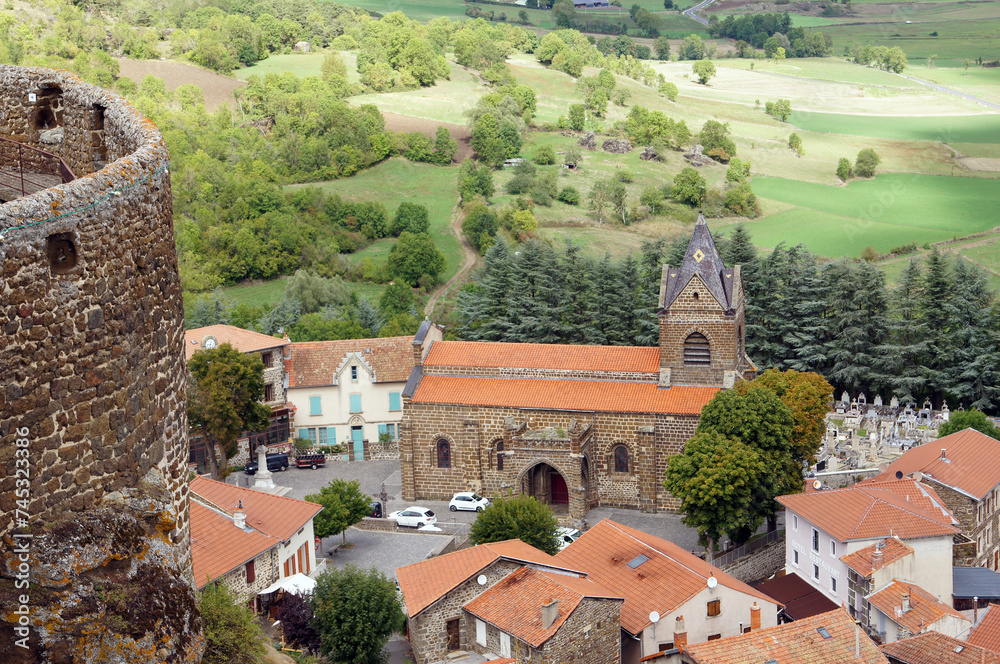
(499, 455)
(444, 453)
(621, 459)
(696, 351)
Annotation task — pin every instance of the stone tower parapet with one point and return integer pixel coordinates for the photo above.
(92, 376)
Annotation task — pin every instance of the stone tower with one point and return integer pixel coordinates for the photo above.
(701, 314)
(95, 553)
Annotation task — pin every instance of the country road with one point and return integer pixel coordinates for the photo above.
(470, 261)
(690, 11)
(941, 88)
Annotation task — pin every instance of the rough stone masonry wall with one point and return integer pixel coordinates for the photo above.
(93, 362)
(760, 565)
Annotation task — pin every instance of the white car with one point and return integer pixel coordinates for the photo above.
(414, 517)
(566, 536)
(468, 501)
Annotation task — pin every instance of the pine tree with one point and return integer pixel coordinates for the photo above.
(536, 298)
(628, 307)
(806, 336)
(647, 331)
(859, 327)
(936, 311)
(974, 376)
(577, 293)
(908, 336)
(483, 308)
(606, 324)
(764, 312)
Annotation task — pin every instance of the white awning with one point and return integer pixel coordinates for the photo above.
(297, 584)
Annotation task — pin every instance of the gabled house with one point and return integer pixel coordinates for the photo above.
(827, 638)
(986, 633)
(902, 609)
(271, 352)
(935, 648)
(437, 591)
(836, 539)
(544, 616)
(964, 469)
(286, 521)
(350, 391)
(692, 600)
(225, 550)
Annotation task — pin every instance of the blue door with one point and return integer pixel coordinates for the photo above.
(357, 435)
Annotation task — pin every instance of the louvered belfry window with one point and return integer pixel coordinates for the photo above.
(696, 351)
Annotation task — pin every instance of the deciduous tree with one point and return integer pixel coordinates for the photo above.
(968, 419)
(704, 70)
(343, 506)
(414, 256)
(232, 635)
(520, 517)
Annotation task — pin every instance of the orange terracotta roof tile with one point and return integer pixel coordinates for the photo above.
(925, 609)
(972, 466)
(425, 582)
(276, 516)
(514, 605)
(799, 642)
(936, 648)
(866, 561)
(313, 363)
(662, 583)
(218, 547)
(904, 508)
(245, 341)
(588, 395)
(502, 660)
(639, 359)
(987, 633)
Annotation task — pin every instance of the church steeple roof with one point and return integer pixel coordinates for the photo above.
(702, 258)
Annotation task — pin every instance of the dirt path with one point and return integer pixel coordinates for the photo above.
(470, 262)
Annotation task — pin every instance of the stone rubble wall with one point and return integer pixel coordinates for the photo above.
(93, 352)
(759, 566)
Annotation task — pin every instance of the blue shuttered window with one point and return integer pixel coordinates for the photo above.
(355, 403)
(381, 431)
(331, 435)
(303, 433)
(394, 401)
(315, 406)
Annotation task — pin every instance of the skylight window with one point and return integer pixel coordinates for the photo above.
(822, 632)
(638, 560)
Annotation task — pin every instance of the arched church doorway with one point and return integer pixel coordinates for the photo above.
(548, 485)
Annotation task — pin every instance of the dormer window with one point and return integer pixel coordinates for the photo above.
(354, 372)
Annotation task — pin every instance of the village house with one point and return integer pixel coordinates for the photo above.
(497, 599)
(271, 351)
(827, 638)
(239, 520)
(577, 426)
(964, 469)
(935, 648)
(349, 392)
(672, 597)
(861, 545)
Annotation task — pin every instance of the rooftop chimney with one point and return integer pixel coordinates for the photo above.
(680, 634)
(943, 455)
(240, 517)
(550, 612)
(754, 617)
(906, 602)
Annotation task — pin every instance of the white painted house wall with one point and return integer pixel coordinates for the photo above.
(303, 539)
(334, 401)
(735, 613)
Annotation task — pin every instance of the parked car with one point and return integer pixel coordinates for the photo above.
(468, 501)
(313, 461)
(376, 509)
(275, 463)
(414, 517)
(566, 536)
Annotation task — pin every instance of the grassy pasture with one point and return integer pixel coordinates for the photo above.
(396, 181)
(444, 102)
(982, 82)
(300, 64)
(955, 41)
(960, 129)
(420, 10)
(886, 212)
(987, 255)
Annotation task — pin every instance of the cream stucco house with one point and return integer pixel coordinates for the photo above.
(350, 391)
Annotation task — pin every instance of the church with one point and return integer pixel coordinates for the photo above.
(577, 426)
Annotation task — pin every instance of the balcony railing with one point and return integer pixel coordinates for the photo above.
(26, 170)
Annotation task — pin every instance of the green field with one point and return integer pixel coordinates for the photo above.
(889, 211)
(959, 129)
(395, 181)
(263, 294)
(420, 10)
(300, 64)
(955, 40)
(987, 255)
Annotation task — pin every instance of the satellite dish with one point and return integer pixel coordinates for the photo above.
(883, 467)
(712, 582)
(481, 580)
(209, 342)
(654, 617)
(817, 485)
(918, 476)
